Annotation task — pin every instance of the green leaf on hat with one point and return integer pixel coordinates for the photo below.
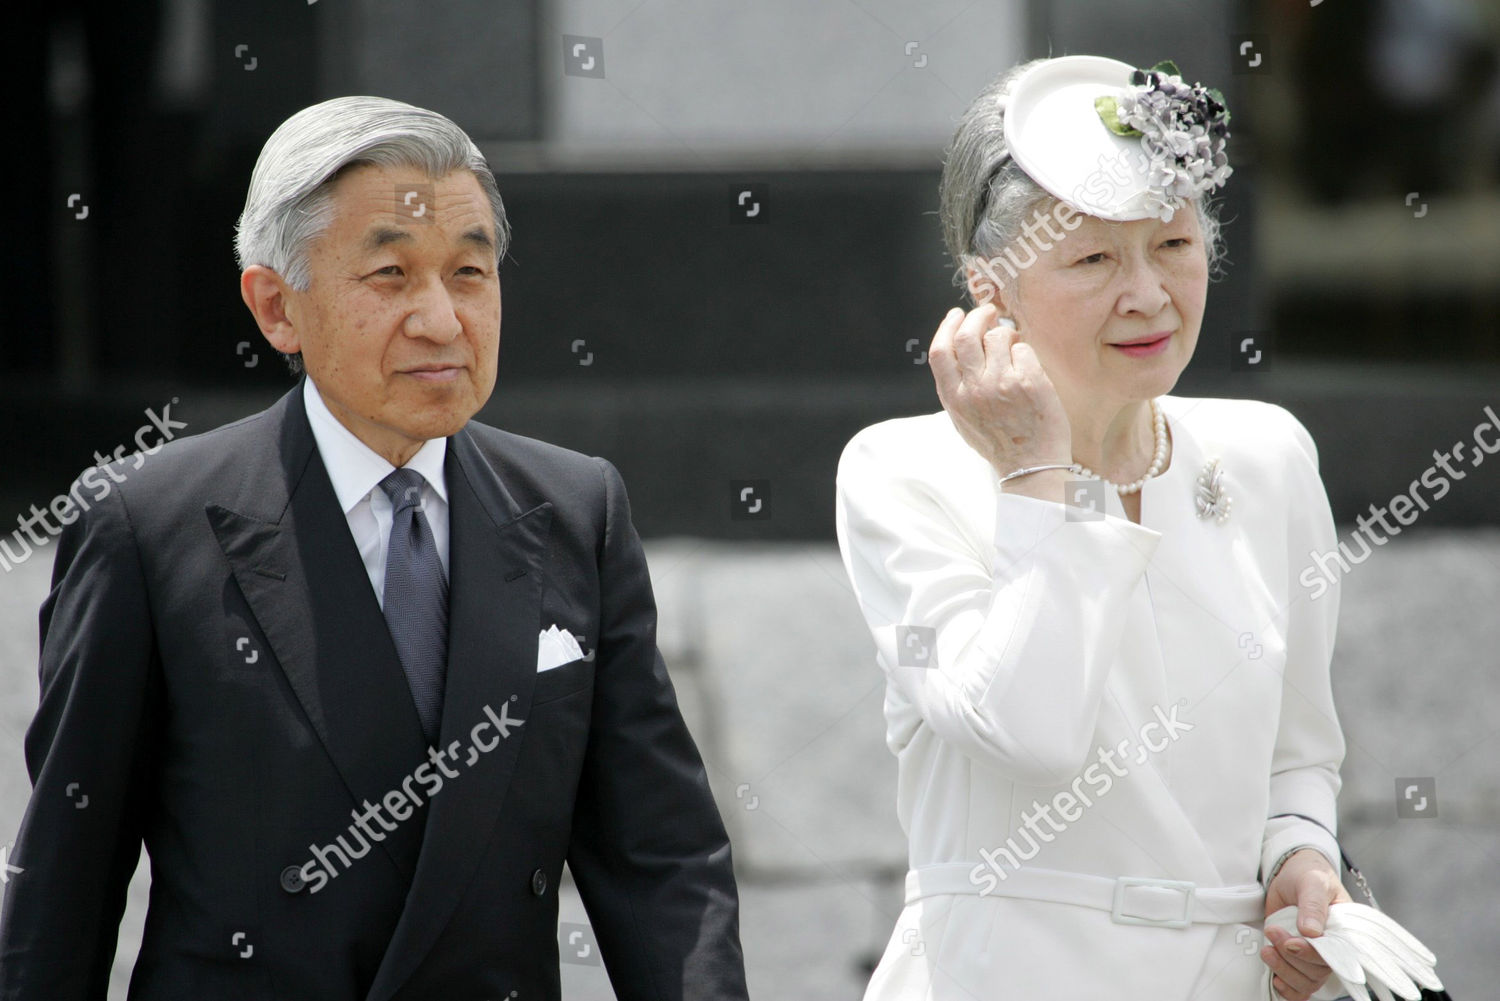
(1109, 114)
(1168, 67)
(1218, 95)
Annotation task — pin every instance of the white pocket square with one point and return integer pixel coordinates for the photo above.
(556, 647)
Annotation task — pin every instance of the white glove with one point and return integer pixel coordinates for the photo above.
(1365, 949)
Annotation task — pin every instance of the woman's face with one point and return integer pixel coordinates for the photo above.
(1113, 308)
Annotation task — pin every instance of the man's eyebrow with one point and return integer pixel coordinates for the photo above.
(382, 235)
(479, 236)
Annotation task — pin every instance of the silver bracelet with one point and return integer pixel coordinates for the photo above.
(1071, 467)
(1288, 854)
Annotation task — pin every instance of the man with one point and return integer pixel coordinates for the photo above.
(328, 661)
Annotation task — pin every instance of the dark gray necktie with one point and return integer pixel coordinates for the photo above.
(416, 598)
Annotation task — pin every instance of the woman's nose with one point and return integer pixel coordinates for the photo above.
(1145, 289)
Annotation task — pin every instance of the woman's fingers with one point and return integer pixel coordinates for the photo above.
(1295, 962)
(1290, 982)
(998, 342)
(1011, 417)
(969, 342)
(940, 356)
(1025, 362)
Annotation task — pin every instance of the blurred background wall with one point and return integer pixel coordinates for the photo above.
(727, 260)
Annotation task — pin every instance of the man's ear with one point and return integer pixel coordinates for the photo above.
(266, 294)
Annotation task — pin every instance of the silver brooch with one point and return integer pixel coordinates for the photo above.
(1211, 499)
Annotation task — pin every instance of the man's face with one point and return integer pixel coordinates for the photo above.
(400, 326)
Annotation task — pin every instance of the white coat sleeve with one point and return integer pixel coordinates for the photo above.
(1024, 617)
(1309, 743)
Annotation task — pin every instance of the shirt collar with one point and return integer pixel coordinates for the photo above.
(353, 467)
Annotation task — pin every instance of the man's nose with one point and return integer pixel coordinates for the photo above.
(432, 315)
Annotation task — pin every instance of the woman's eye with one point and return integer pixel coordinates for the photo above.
(1177, 241)
(390, 269)
(1091, 259)
(470, 269)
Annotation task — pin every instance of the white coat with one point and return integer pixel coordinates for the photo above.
(1076, 701)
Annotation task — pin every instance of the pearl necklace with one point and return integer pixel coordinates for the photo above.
(1158, 456)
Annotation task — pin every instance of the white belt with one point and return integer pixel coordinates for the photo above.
(1130, 900)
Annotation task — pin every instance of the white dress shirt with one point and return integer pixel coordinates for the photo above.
(1023, 648)
(356, 471)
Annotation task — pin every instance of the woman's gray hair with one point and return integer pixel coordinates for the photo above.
(290, 199)
(984, 198)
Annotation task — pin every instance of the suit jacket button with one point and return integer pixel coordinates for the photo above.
(539, 882)
(291, 879)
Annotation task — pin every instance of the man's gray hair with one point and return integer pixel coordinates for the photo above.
(290, 199)
(984, 198)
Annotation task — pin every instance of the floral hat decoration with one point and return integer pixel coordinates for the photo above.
(1115, 141)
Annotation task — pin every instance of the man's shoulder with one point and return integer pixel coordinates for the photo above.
(550, 470)
(536, 471)
(184, 462)
(518, 449)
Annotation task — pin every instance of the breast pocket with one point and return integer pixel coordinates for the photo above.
(563, 680)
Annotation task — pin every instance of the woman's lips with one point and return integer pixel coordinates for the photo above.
(1144, 349)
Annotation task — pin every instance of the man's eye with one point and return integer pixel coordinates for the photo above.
(1091, 259)
(471, 269)
(390, 269)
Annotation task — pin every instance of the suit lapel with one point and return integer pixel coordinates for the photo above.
(295, 561)
(495, 594)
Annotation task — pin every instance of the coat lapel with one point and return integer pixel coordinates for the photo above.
(495, 594)
(289, 547)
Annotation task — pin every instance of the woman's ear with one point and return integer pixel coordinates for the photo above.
(982, 289)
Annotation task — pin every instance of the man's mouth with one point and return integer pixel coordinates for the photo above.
(434, 373)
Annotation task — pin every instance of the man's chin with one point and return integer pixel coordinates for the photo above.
(438, 425)
(427, 419)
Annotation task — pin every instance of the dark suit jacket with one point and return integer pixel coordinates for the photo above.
(218, 680)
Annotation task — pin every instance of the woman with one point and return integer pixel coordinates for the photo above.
(1109, 701)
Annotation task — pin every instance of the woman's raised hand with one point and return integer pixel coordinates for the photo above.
(998, 395)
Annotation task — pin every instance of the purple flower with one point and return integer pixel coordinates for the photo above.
(1184, 130)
